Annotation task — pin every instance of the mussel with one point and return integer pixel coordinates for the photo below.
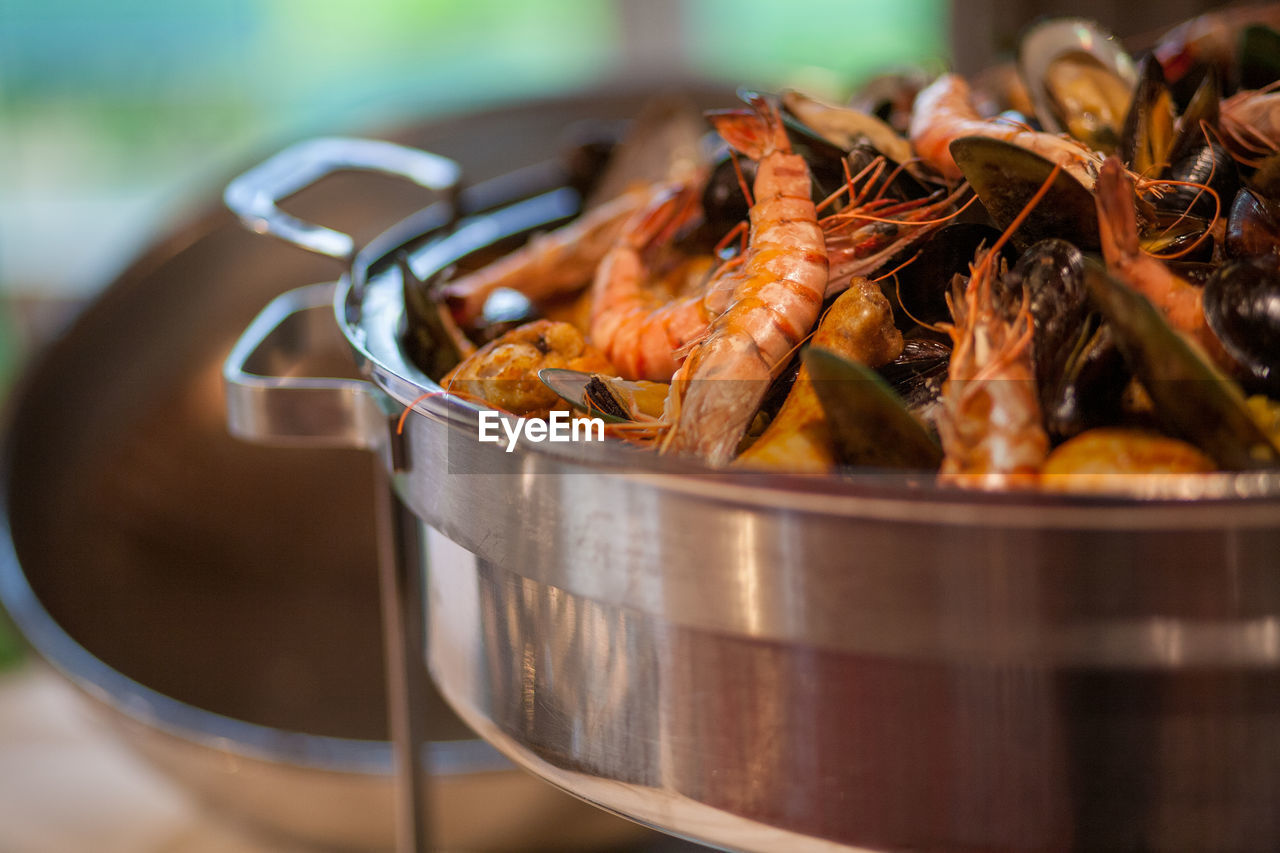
(916, 376)
(869, 423)
(918, 290)
(606, 397)
(1006, 178)
(845, 127)
(1149, 125)
(1191, 398)
(1079, 78)
(1242, 306)
(1253, 226)
(1079, 371)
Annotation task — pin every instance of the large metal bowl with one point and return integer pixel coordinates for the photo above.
(771, 663)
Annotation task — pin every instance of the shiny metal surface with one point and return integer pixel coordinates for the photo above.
(255, 195)
(216, 600)
(877, 663)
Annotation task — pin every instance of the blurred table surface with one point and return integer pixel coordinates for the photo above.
(67, 784)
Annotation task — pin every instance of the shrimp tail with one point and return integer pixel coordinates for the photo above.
(755, 132)
(1117, 223)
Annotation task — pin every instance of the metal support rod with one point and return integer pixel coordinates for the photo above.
(403, 617)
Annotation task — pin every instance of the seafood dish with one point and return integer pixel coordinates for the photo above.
(1060, 278)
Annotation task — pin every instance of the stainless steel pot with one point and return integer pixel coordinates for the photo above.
(767, 662)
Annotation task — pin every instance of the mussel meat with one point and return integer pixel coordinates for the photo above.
(1079, 78)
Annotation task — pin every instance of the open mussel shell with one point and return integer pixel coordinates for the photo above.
(1079, 372)
(1197, 120)
(916, 376)
(845, 127)
(918, 290)
(1006, 178)
(1242, 306)
(427, 331)
(608, 398)
(1191, 398)
(1080, 79)
(1149, 126)
(869, 424)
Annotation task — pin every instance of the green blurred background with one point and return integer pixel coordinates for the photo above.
(114, 114)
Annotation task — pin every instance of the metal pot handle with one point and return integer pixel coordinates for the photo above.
(269, 402)
(255, 195)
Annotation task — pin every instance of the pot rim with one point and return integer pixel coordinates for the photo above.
(368, 307)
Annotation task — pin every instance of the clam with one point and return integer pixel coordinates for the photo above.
(1080, 80)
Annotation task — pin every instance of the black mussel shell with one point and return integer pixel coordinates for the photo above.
(1079, 372)
(425, 334)
(1052, 272)
(917, 374)
(1006, 177)
(723, 204)
(1192, 399)
(918, 291)
(825, 160)
(1148, 128)
(1253, 226)
(1198, 119)
(1242, 306)
(1090, 389)
(893, 181)
(869, 424)
(1209, 164)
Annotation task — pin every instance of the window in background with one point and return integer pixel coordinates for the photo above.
(115, 114)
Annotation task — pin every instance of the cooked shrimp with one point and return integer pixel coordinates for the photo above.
(553, 263)
(777, 292)
(1181, 302)
(1250, 123)
(990, 422)
(638, 325)
(944, 112)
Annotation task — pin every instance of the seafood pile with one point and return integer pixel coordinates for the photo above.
(1056, 278)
